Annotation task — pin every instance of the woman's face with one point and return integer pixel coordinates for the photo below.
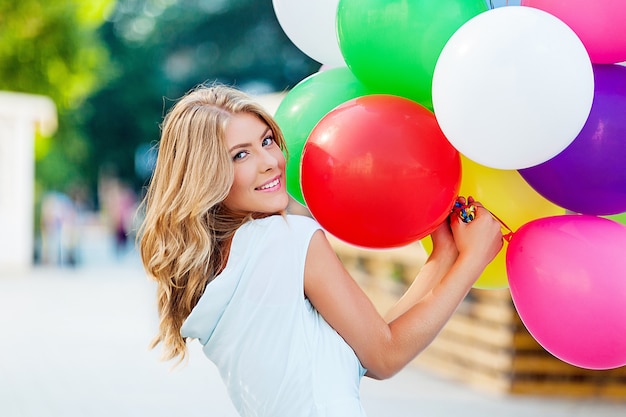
(259, 184)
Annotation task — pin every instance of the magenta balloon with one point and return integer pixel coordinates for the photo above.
(598, 23)
(567, 276)
(589, 176)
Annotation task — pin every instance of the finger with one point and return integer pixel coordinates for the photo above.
(472, 201)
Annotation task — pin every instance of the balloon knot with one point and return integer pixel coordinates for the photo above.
(466, 212)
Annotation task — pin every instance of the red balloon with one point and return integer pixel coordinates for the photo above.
(378, 172)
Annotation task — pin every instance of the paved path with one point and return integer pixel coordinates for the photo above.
(73, 342)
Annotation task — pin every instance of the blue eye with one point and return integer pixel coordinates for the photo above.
(239, 155)
(268, 140)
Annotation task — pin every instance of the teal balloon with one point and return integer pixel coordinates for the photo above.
(305, 105)
(393, 45)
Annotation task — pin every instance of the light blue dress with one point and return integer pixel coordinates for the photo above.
(276, 354)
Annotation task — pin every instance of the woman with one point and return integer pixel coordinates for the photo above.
(262, 290)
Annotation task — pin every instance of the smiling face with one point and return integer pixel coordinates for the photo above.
(259, 164)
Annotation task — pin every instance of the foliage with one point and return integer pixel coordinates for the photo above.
(113, 69)
(162, 48)
(52, 49)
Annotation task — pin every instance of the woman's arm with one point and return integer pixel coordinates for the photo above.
(439, 262)
(385, 348)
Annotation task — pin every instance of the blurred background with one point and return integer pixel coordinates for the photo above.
(84, 86)
(112, 69)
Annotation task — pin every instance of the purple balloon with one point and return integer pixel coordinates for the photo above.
(589, 176)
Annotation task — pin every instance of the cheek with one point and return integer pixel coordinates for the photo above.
(241, 181)
(282, 162)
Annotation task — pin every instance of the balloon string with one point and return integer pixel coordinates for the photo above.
(507, 236)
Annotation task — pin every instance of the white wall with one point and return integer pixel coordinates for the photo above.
(21, 116)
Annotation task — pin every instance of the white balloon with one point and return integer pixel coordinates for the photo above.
(311, 25)
(513, 87)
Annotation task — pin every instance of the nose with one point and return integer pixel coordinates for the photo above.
(268, 161)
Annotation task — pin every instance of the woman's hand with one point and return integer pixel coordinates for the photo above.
(443, 241)
(480, 239)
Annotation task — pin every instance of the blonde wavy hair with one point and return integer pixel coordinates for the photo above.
(185, 235)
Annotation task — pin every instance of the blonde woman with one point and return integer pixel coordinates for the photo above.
(261, 288)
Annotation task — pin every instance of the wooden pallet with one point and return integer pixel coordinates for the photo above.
(485, 343)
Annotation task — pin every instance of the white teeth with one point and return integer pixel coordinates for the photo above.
(270, 185)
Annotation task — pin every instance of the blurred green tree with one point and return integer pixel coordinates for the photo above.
(114, 67)
(53, 49)
(162, 48)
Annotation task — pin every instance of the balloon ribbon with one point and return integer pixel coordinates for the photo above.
(467, 213)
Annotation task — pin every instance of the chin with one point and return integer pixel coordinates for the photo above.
(275, 207)
(282, 206)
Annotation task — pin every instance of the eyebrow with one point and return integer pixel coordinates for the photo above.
(246, 145)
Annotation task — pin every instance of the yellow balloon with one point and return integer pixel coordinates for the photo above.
(508, 197)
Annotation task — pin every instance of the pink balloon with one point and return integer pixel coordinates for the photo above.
(567, 276)
(599, 24)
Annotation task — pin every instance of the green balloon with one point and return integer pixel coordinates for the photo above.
(393, 45)
(620, 218)
(305, 105)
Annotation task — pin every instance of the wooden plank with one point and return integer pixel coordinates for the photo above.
(460, 372)
(456, 369)
(474, 357)
(380, 268)
(590, 388)
(523, 341)
(413, 254)
(492, 313)
(546, 364)
(565, 388)
(618, 373)
(480, 333)
(615, 390)
(502, 295)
